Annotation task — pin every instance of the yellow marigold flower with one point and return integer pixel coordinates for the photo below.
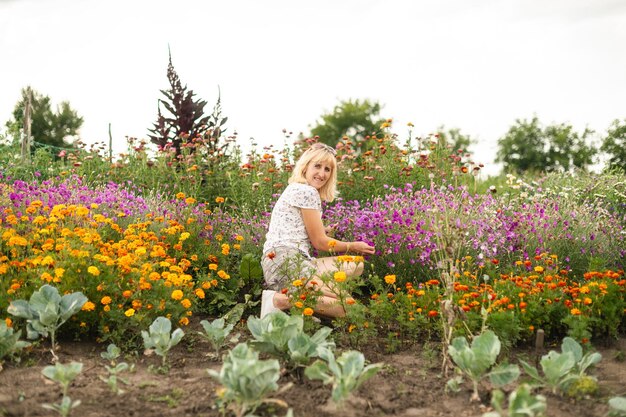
(184, 236)
(190, 200)
(58, 272)
(214, 282)
(239, 238)
(127, 294)
(180, 196)
(93, 270)
(539, 269)
(298, 304)
(46, 277)
(177, 295)
(107, 308)
(199, 293)
(106, 300)
(184, 321)
(219, 200)
(213, 267)
(340, 276)
(390, 279)
(130, 312)
(297, 283)
(237, 246)
(88, 306)
(307, 311)
(332, 244)
(206, 285)
(225, 249)
(186, 303)
(575, 312)
(587, 301)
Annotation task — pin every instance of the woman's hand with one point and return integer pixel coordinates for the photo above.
(363, 248)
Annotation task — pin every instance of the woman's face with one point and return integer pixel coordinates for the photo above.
(317, 174)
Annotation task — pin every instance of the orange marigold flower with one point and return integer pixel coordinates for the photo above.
(298, 304)
(177, 295)
(184, 321)
(340, 276)
(106, 300)
(9, 322)
(332, 244)
(199, 293)
(186, 303)
(127, 294)
(307, 311)
(390, 279)
(432, 313)
(575, 312)
(271, 255)
(88, 306)
(219, 200)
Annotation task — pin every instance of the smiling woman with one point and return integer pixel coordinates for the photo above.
(296, 227)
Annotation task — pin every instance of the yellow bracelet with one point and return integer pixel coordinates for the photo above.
(347, 247)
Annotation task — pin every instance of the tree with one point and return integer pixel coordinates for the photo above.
(48, 127)
(614, 144)
(527, 146)
(455, 139)
(185, 121)
(354, 118)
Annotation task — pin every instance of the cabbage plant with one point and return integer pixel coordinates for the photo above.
(10, 343)
(246, 380)
(345, 374)
(561, 370)
(46, 311)
(63, 375)
(476, 361)
(522, 403)
(161, 338)
(216, 332)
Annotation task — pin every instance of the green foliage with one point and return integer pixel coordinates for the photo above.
(528, 146)
(161, 338)
(359, 120)
(522, 403)
(475, 361)
(46, 311)
(246, 379)
(10, 343)
(48, 127)
(614, 144)
(63, 375)
(282, 336)
(456, 140)
(216, 332)
(112, 354)
(617, 407)
(345, 374)
(561, 370)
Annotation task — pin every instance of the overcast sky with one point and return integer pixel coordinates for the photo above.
(476, 65)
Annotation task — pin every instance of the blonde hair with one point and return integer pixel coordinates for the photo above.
(317, 153)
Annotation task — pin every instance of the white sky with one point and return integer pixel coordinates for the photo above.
(473, 64)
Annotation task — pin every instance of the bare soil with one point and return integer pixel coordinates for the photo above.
(410, 385)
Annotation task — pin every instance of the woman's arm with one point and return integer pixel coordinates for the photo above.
(317, 235)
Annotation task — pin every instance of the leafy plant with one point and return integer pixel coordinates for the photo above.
(475, 361)
(561, 370)
(246, 380)
(346, 373)
(64, 375)
(617, 407)
(522, 403)
(216, 332)
(161, 338)
(112, 354)
(9, 342)
(46, 311)
(282, 336)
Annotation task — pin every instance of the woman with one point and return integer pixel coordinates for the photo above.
(296, 227)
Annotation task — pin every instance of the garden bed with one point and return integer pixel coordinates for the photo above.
(410, 384)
